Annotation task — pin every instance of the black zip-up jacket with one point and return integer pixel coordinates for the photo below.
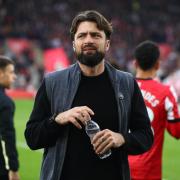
(56, 95)
(8, 152)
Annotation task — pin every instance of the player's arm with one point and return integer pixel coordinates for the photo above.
(173, 117)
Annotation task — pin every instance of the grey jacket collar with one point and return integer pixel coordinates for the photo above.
(76, 72)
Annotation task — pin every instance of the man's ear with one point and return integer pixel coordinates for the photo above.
(73, 46)
(157, 65)
(135, 63)
(107, 45)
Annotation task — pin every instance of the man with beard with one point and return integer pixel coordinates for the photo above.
(91, 88)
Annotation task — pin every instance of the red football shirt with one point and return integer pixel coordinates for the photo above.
(161, 103)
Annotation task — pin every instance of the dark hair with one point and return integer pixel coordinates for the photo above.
(92, 16)
(5, 61)
(147, 54)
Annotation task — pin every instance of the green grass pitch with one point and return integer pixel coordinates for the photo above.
(30, 161)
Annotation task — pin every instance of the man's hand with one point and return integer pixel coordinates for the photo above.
(105, 140)
(13, 175)
(75, 116)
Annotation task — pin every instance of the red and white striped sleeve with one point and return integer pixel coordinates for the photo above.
(173, 115)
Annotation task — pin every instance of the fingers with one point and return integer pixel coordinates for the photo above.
(86, 116)
(76, 116)
(102, 141)
(107, 139)
(87, 109)
(75, 123)
(82, 114)
(103, 146)
(85, 113)
(99, 136)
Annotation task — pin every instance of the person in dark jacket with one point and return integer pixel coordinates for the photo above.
(89, 89)
(8, 153)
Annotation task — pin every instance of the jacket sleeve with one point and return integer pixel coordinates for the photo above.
(139, 139)
(41, 131)
(8, 137)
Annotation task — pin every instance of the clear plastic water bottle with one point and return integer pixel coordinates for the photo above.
(91, 129)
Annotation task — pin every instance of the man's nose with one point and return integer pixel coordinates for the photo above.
(89, 39)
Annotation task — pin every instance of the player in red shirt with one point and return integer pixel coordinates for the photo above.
(161, 103)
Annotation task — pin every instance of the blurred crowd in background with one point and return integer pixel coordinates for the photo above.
(35, 34)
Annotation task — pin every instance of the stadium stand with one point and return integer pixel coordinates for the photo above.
(31, 28)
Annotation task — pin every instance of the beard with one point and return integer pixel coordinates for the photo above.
(90, 60)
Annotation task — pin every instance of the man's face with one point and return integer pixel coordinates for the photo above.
(7, 76)
(90, 44)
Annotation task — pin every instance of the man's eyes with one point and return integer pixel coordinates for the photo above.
(96, 35)
(81, 35)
